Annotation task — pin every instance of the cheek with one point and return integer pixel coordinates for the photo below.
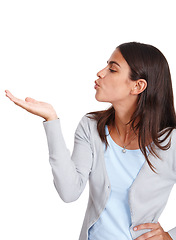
(116, 91)
(110, 84)
(112, 87)
(106, 93)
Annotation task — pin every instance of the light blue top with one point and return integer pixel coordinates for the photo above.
(122, 169)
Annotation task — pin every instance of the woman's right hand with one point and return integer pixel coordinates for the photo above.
(41, 109)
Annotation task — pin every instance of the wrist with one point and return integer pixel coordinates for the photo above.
(51, 117)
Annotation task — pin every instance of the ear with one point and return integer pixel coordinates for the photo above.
(139, 86)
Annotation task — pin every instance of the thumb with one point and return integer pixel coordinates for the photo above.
(28, 99)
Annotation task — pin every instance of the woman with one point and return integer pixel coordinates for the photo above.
(126, 152)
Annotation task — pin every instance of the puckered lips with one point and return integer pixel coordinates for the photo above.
(96, 85)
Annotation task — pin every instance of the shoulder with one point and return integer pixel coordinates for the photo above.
(173, 137)
(88, 121)
(168, 136)
(87, 130)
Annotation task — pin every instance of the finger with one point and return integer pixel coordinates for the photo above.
(146, 226)
(21, 103)
(17, 101)
(9, 95)
(150, 235)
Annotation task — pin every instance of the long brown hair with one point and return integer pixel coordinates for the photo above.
(155, 107)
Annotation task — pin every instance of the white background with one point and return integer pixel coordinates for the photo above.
(51, 51)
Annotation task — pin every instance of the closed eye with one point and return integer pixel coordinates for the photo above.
(112, 70)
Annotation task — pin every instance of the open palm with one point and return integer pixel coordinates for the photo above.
(33, 106)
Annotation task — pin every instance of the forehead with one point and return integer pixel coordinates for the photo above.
(117, 57)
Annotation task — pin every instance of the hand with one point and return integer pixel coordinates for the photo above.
(156, 233)
(41, 109)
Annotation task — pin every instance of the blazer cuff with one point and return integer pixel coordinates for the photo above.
(50, 121)
(172, 233)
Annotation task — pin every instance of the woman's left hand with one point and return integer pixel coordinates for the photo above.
(156, 233)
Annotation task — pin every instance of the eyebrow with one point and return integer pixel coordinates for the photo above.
(111, 62)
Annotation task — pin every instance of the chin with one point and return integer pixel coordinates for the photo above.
(100, 99)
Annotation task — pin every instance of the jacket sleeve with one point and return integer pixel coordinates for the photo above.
(70, 172)
(172, 233)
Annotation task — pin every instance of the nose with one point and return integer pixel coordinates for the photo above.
(101, 73)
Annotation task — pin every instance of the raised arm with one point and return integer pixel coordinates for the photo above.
(70, 172)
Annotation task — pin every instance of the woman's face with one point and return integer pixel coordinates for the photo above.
(114, 84)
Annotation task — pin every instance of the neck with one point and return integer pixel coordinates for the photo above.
(122, 117)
